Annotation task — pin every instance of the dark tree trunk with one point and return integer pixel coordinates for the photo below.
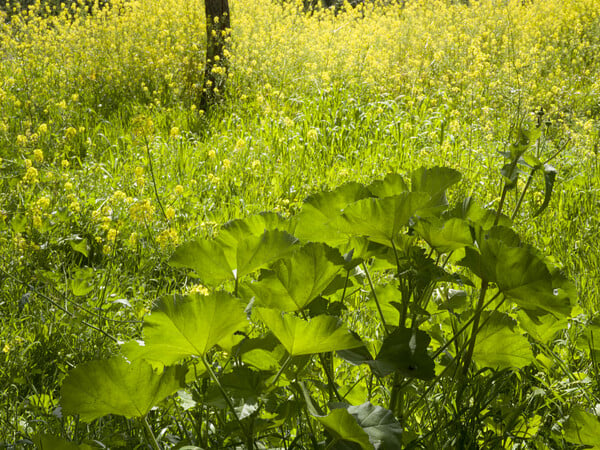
(218, 26)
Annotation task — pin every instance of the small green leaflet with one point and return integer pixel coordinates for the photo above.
(300, 337)
(434, 181)
(184, 326)
(115, 386)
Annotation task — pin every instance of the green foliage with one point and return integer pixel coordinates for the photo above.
(246, 356)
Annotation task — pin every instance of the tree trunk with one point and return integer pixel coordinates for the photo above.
(218, 27)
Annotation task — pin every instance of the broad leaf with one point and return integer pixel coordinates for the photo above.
(380, 424)
(235, 231)
(471, 210)
(47, 442)
(392, 184)
(115, 386)
(519, 272)
(206, 258)
(216, 261)
(318, 210)
(295, 281)
(300, 337)
(380, 219)
(255, 252)
(583, 428)
(184, 326)
(405, 350)
(434, 181)
(499, 345)
(342, 425)
(445, 236)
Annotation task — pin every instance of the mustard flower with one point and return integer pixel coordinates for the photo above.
(38, 155)
(179, 189)
(255, 164)
(212, 154)
(226, 164)
(31, 176)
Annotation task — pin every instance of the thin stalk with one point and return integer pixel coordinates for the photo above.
(529, 180)
(150, 435)
(283, 367)
(151, 167)
(213, 376)
(475, 328)
(375, 298)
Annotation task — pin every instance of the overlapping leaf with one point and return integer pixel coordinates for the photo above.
(519, 272)
(115, 386)
(184, 326)
(216, 261)
(295, 281)
(380, 219)
(318, 210)
(301, 337)
(500, 345)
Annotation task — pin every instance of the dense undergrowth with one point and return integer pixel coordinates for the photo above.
(107, 167)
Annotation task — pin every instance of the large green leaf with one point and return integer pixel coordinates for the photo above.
(392, 184)
(343, 426)
(47, 442)
(206, 258)
(297, 280)
(380, 424)
(380, 219)
(217, 261)
(115, 386)
(237, 230)
(519, 272)
(434, 181)
(405, 350)
(474, 213)
(499, 345)
(583, 428)
(184, 326)
(255, 252)
(445, 236)
(318, 210)
(300, 337)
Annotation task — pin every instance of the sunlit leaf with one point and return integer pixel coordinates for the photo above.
(47, 442)
(392, 184)
(318, 210)
(380, 219)
(445, 236)
(300, 337)
(499, 345)
(435, 181)
(207, 259)
(342, 425)
(115, 386)
(583, 428)
(297, 280)
(184, 326)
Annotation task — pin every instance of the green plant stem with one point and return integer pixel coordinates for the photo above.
(150, 435)
(283, 367)
(375, 298)
(475, 328)
(213, 376)
(151, 167)
(522, 196)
